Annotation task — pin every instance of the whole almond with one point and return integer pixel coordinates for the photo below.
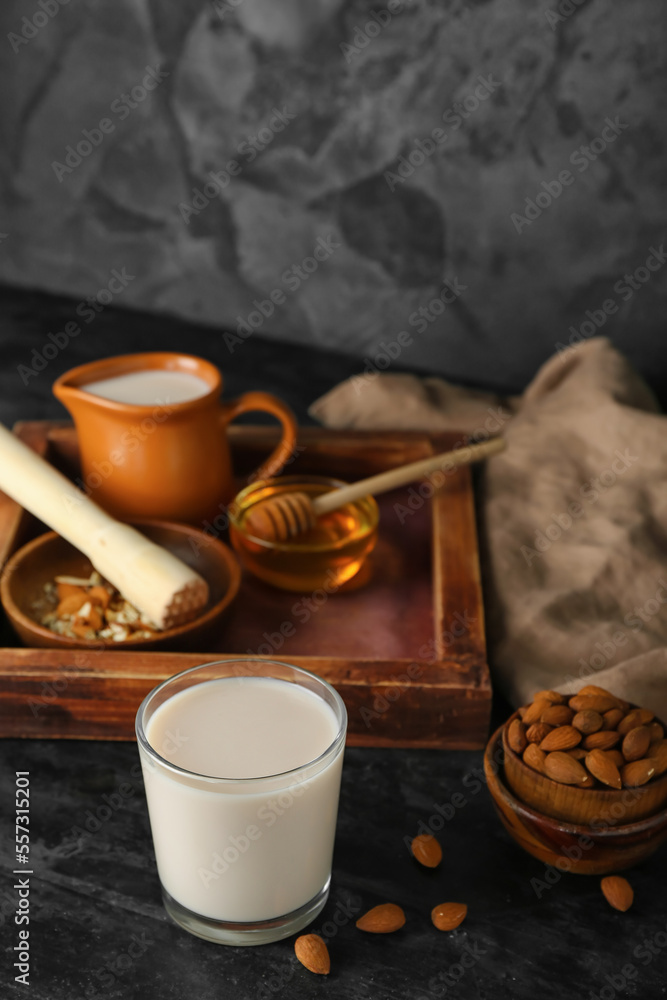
(383, 919)
(617, 757)
(534, 757)
(618, 892)
(447, 916)
(533, 712)
(516, 736)
(595, 702)
(553, 696)
(602, 740)
(593, 689)
(427, 850)
(636, 717)
(537, 732)
(587, 721)
(603, 768)
(557, 715)
(658, 754)
(565, 769)
(577, 752)
(561, 738)
(637, 772)
(612, 718)
(312, 952)
(588, 781)
(636, 743)
(656, 732)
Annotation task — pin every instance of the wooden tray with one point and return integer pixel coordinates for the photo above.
(404, 645)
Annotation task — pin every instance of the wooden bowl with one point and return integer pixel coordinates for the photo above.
(580, 805)
(604, 846)
(49, 555)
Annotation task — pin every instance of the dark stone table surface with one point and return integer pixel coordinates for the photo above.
(97, 926)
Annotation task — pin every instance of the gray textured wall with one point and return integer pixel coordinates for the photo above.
(405, 149)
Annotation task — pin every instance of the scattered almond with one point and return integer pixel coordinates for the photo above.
(537, 732)
(534, 757)
(448, 916)
(382, 919)
(557, 715)
(563, 768)
(636, 743)
(312, 952)
(603, 768)
(516, 736)
(602, 740)
(561, 738)
(618, 892)
(637, 772)
(427, 850)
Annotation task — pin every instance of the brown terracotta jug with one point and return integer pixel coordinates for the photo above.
(166, 456)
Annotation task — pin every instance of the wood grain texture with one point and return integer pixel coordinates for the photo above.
(96, 694)
(580, 805)
(596, 848)
(412, 673)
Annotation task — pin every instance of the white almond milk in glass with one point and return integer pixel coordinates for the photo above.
(242, 765)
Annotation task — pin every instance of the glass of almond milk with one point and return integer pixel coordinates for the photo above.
(242, 764)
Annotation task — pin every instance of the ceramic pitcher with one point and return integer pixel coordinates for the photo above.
(162, 459)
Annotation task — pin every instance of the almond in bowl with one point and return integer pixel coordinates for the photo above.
(598, 758)
(584, 818)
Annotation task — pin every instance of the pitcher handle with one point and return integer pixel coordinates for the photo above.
(250, 401)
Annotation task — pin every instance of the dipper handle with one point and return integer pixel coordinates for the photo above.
(406, 474)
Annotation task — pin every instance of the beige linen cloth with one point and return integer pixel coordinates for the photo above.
(575, 515)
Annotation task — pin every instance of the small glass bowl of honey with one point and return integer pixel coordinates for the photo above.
(329, 554)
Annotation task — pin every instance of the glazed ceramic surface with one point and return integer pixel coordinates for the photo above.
(164, 459)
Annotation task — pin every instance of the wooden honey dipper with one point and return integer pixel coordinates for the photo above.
(151, 578)
(283, 517)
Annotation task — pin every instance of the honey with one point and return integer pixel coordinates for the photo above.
(326, 556)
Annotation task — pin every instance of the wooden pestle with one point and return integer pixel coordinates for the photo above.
(283, 517)
(158, 584)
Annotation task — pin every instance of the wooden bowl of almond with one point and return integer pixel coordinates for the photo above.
(585, 757)
(590, 767)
